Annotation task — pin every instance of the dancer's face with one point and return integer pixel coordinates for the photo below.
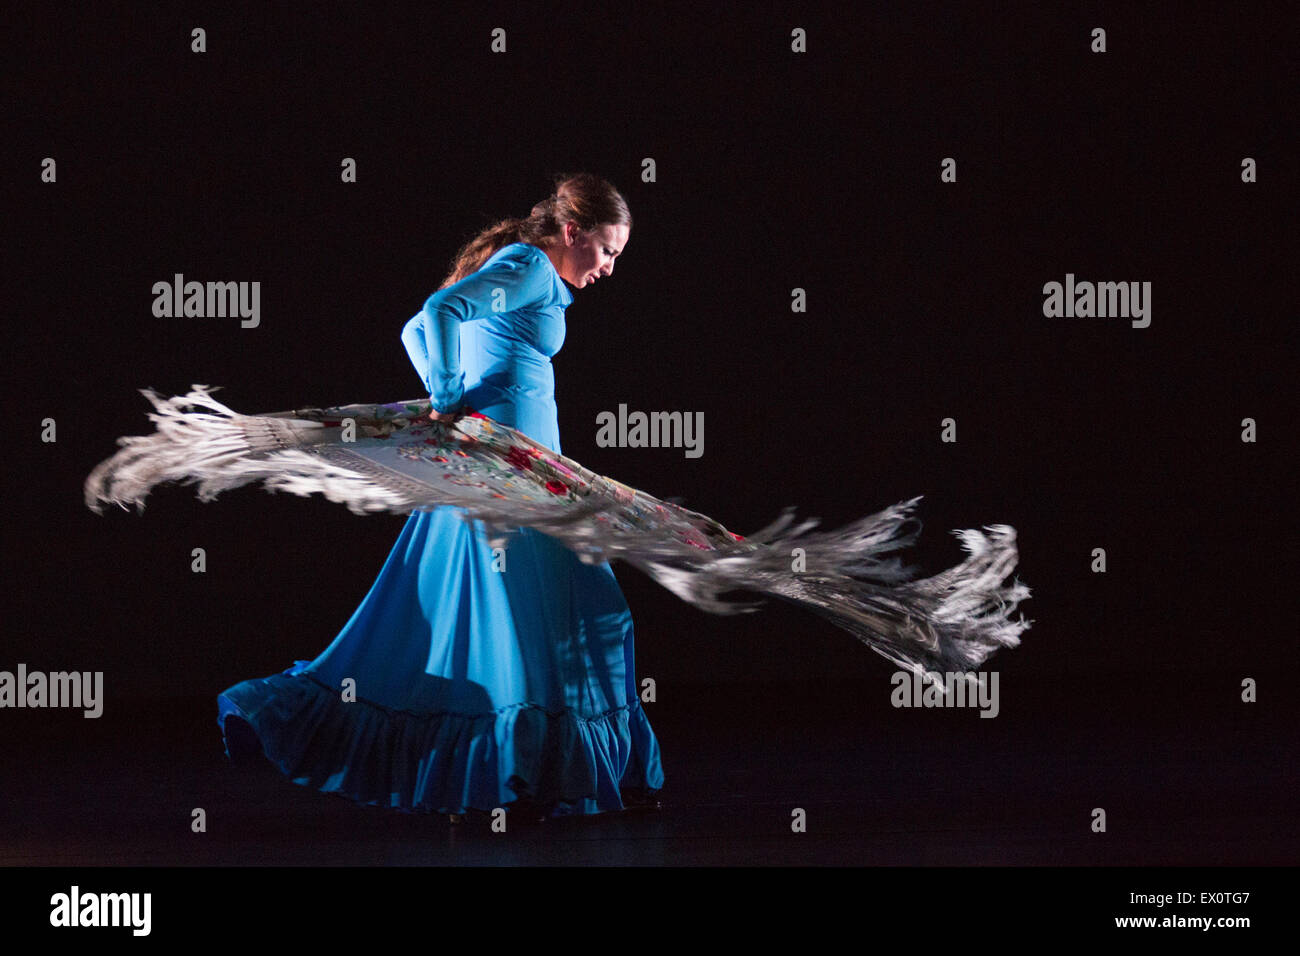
(589, 254)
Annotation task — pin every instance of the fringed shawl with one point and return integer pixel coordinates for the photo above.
(392, 458)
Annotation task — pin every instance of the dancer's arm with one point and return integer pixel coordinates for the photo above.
(432, 336)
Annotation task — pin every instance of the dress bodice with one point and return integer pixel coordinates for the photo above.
(487, 340)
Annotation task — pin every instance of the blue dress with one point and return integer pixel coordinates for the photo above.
(472, 684)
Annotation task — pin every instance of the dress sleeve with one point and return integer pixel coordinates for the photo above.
(432, 336)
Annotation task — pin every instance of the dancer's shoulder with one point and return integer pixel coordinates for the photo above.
(522, 252)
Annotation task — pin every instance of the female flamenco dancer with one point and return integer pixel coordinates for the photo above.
(482, 679)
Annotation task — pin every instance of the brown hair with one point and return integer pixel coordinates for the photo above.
(586, 200)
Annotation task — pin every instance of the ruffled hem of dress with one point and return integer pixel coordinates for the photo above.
(555, 763)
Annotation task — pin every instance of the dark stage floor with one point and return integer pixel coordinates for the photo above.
(1182, 785)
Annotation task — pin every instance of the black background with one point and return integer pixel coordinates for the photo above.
(774, 170)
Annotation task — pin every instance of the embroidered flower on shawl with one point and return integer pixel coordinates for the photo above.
(519, 458)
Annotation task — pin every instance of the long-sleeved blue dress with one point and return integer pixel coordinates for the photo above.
(477, 681)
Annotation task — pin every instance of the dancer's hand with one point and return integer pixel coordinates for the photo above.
(445, 416)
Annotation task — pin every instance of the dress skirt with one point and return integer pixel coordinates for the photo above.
(466, 679)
